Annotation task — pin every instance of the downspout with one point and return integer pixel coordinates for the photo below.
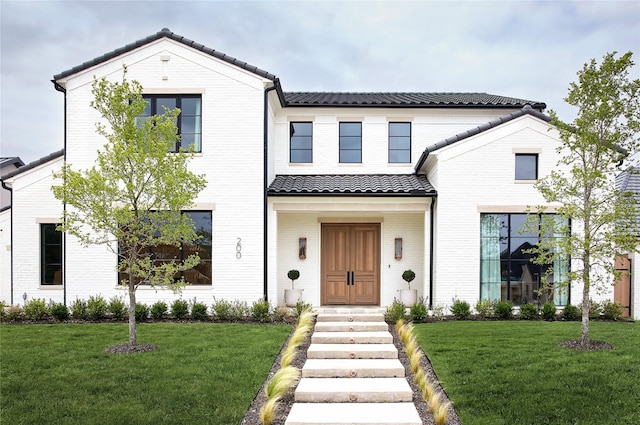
(10, 235)
(265, 177)
(431, 244)
(61, 89)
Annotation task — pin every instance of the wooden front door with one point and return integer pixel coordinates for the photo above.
(622, 289)
(350, 264)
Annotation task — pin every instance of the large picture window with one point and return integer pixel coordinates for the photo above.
(189, 121)
(350, 142)
(506, 270)
(50, 255)
(202, 273)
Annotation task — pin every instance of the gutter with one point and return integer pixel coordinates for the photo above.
(265, 176)
(431, 245)
(4, 186)
(62, 90)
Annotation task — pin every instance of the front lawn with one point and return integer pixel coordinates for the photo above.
(513, 372)
(202, 373)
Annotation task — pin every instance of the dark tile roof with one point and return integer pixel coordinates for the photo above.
(6, 161)
(526, 110)
(34, 164)
(409, 100)
(352, 185)
(165, 32)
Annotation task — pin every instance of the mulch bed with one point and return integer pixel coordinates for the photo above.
(130, 349)
(589, 345)
(252, 416)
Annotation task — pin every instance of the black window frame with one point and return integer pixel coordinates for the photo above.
(306, 137)
(518, 169)
(397, 138)
(48, 265)
(344, 138)
(154, 110)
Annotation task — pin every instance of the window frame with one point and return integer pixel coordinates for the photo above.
(153, 105)
(292, 149)
(516, 168)
(340, 140)
(389, 137)
(44, 255)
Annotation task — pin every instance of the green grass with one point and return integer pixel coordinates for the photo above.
(514, 372)
(201, 373)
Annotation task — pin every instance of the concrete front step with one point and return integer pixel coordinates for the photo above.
(352, 368)
(372, 337)
(350, 317)
(351, 326)
(353, 414)
(354, 390)
(352, 351)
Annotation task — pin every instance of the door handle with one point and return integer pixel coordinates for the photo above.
(353, 281)
(348, 282)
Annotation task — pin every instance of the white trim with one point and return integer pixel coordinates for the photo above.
(347, 207)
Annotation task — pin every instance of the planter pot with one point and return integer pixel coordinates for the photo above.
(409, 297)
(292, 296)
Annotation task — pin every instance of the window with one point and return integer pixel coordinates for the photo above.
(506, 272)
(400, 142)
(50, 255)
(202, 273)
(189, 121)
(350, 142)
(301, 142)
(526, 166)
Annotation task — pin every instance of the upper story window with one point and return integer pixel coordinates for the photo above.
(189, 121)
(301, 142)
(50, 255)
(526, 166)
(399, 142)
(350, 142)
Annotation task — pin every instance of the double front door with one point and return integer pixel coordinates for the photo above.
(350, 264)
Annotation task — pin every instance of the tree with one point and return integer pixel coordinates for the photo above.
(594, 148)
(131, 199)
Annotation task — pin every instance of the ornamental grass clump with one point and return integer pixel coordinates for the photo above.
(441, 413)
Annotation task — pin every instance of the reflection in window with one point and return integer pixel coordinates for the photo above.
(50, 255)
(526, 166)
(506, 270)
(399, 142)
(189, 121)
(301, 142)
(350, 142)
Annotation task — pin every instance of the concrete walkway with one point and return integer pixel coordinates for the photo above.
(352, 375)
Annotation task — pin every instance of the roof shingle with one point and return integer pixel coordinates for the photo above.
(350, 185)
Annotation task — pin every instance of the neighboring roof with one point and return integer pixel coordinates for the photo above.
(350, 185)
(11, 160)
(34, 164)
(526, 110)
(409, 100)
(629, 181)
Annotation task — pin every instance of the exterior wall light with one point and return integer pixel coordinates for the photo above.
(302, 248)
(398, 249)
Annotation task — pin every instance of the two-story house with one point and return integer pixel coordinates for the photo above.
(351, 189)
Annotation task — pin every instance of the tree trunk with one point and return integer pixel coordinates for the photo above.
(585, 297)
(133, 338)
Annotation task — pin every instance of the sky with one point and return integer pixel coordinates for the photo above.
(527, 50)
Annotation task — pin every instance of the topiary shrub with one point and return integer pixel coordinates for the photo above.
(528, 311)
(504, 310)
(419, 311)
(159, 310)
(60, 312)
(180, 309)
(293, 275)
(408, 276)
(79, 310)
(461, 309)
(142, 312)
(395, 311)
(96, 307)
(549, 311)
(117, 308)
(36, 309)
(261, 311)
(485, 308)
(199, 311)
(571, 313)
(612, 310)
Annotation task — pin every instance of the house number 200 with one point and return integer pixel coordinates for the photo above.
(239, 249)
